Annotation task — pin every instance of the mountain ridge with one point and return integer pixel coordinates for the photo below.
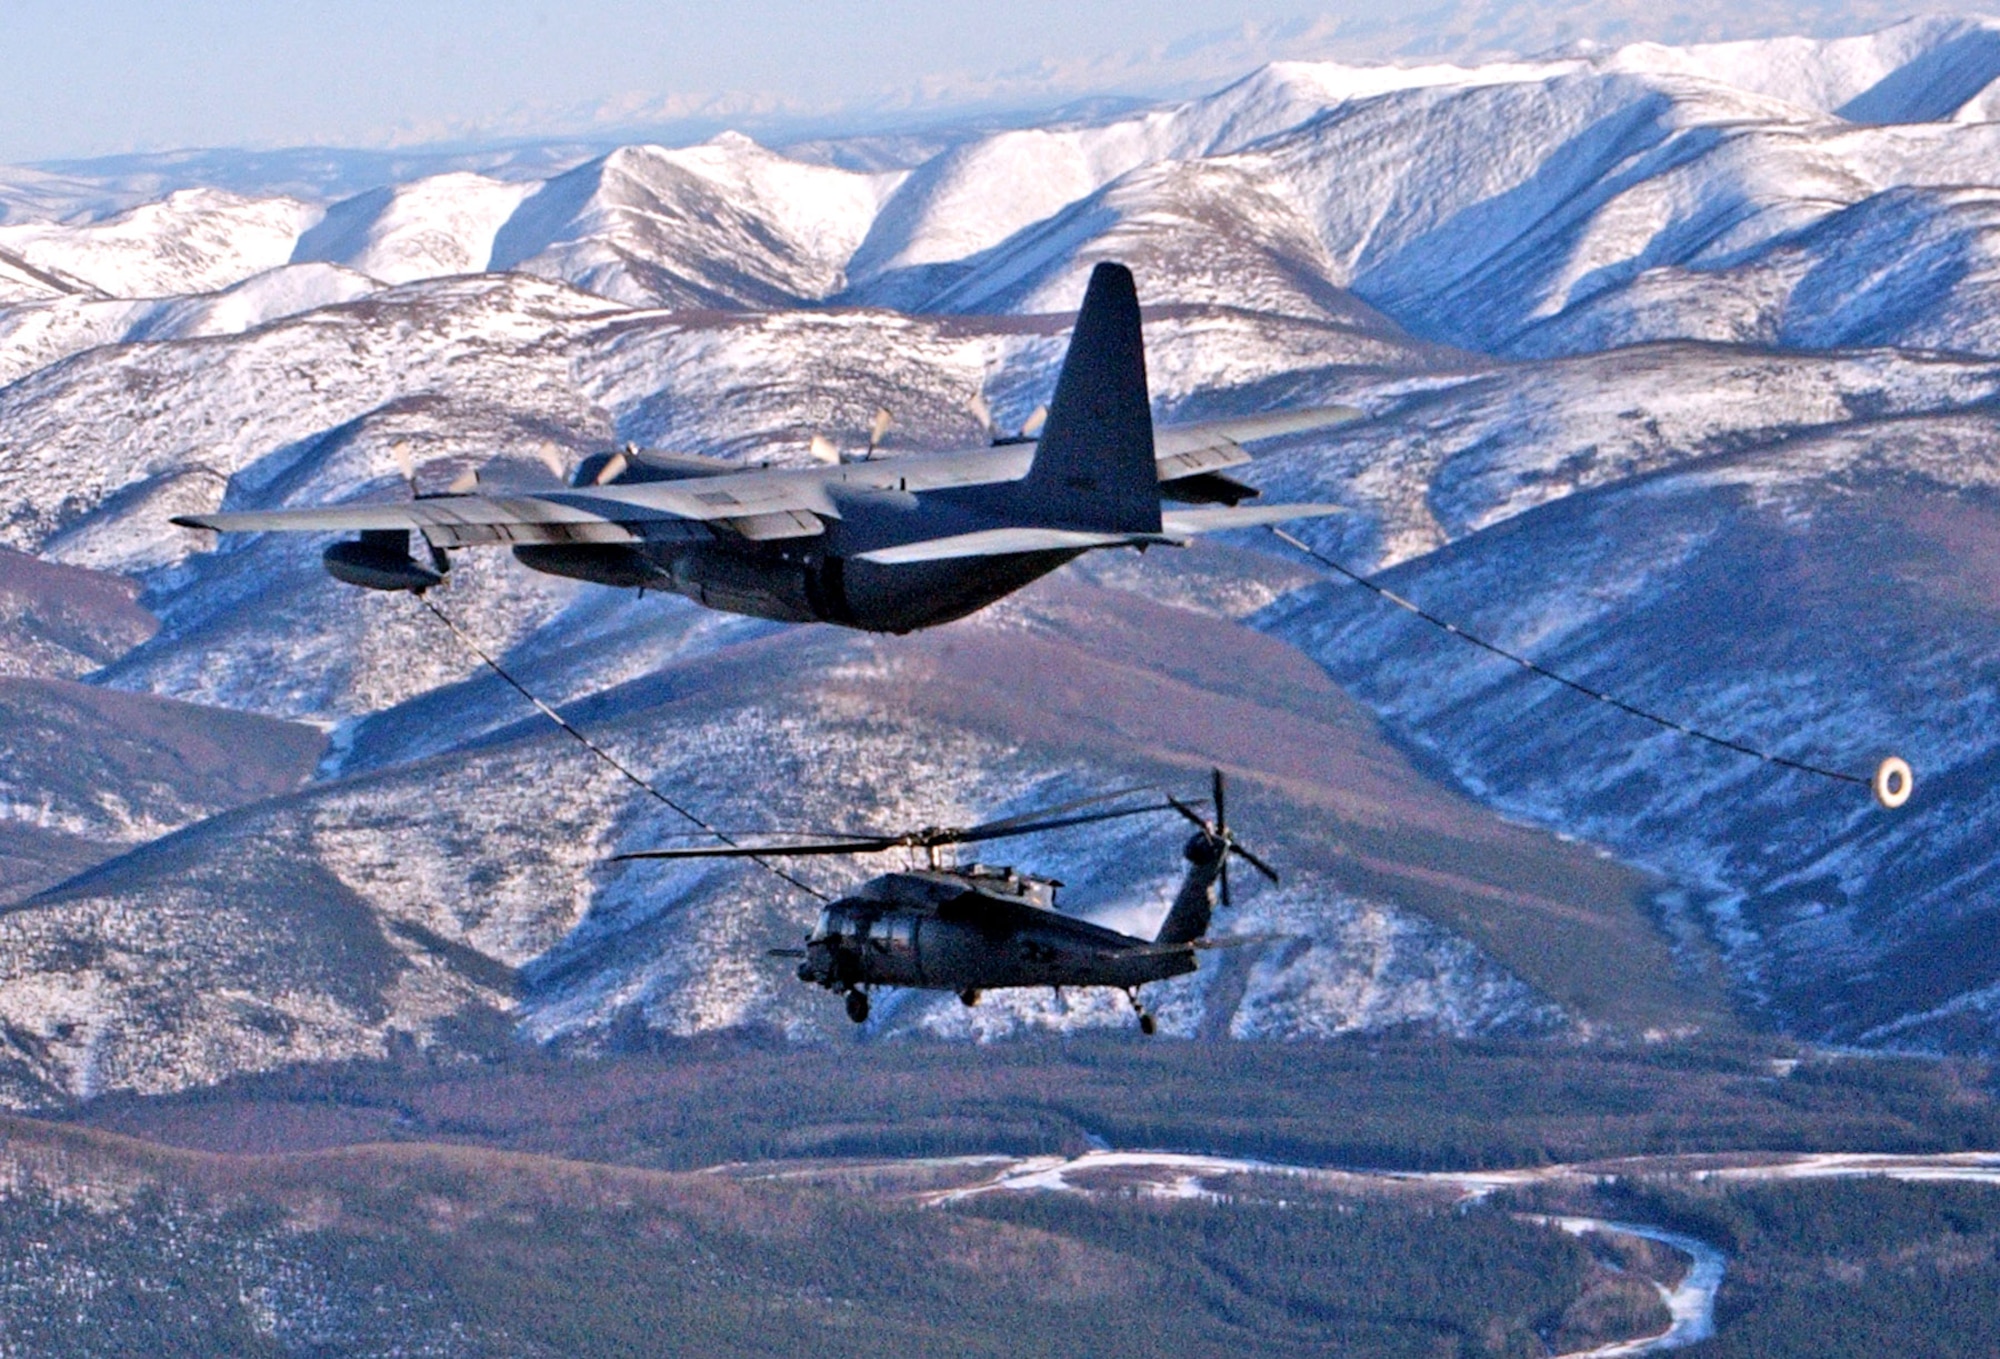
(1658, 392)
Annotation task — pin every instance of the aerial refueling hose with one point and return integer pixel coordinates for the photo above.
(1892, 783)
(465, 640)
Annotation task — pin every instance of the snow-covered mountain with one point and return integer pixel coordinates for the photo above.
(1682, 368)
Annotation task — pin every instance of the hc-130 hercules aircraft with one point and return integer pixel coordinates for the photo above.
(887, 545)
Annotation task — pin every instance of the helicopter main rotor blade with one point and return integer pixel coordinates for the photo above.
(1006, 825)
(751, 844)
(1018, 827)
(792, 850)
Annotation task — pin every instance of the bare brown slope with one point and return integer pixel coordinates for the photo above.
(86, 772)
(63, 620)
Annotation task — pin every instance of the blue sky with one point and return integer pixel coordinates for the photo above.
(88, 77)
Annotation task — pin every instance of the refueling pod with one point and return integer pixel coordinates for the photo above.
(380, 560)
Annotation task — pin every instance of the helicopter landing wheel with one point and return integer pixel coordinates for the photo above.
(969, 997)
(857, 1006)
(1147, 1024)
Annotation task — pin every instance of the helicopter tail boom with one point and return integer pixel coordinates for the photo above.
(1187, 920)
(1208, 852)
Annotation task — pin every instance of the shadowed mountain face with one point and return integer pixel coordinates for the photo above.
(1677, 381)
(1804, 597)
(86, 772)
(440, 893)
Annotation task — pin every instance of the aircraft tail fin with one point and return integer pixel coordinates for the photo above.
(1094, 464)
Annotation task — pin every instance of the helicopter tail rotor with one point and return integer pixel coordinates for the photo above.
(1214, 838)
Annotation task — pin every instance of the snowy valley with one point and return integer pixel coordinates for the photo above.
(1681, 368)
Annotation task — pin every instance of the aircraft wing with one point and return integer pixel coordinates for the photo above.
(1210, 445)
(766, 504)
(658, 512)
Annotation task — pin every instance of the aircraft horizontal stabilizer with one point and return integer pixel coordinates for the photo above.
(1001, 542)
(1180, 441)
(1187, 523)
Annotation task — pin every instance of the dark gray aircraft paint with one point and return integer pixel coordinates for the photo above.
(885, 545)
(976, 928)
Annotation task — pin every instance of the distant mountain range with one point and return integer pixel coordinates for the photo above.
(1682, 366)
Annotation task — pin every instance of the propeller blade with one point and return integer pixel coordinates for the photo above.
(1190, 813)
(878, 428)
(1216, 795)
(823, 450)
(1032, 426)
(465, 483)
(613, 469)
(405, 463)
(981, 412)
(1254, 861)
(551, 457)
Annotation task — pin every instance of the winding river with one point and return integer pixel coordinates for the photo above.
(1690, 1303)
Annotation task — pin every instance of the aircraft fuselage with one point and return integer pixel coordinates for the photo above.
(801, 580)
(972, 942)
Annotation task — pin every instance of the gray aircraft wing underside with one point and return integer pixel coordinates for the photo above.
(765, 504)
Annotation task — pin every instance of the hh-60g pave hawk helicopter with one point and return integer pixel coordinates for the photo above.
(978, 928)
(887, 545)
